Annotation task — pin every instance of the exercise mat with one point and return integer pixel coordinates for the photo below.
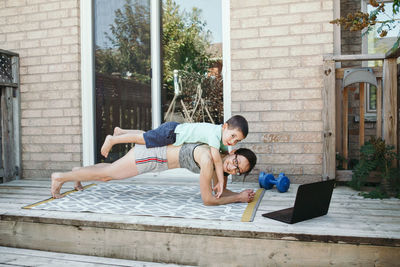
(148, 200)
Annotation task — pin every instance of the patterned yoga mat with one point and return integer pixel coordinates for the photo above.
(150, 200)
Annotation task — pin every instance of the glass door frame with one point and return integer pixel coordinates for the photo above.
(87, 71)
(87, 83)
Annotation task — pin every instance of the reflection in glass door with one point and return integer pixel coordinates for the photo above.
(192, 60)
(122, 69)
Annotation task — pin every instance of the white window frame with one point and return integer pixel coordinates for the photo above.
(226, 58)
(87, 84)
(369, 114)
(364, 41)
(87, 72)
(155, 24)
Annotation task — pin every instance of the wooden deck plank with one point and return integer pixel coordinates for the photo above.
(29, 257)
(344, 215)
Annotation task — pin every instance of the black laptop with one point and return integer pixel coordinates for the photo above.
(312, 200)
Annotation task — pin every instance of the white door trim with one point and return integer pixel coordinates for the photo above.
(226, 58)
(87, 82)
(226, 62)
(155, 32)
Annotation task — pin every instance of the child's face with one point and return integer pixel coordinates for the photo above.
(231, 137)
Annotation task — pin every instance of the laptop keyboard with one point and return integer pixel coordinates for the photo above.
(280, 215)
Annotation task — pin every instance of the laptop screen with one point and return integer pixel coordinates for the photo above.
(312, 200)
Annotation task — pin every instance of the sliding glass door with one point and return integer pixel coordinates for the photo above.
(134, 43)
(122, 70)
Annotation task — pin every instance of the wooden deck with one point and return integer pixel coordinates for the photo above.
(355, 231)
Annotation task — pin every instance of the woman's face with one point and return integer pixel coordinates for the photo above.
(236, 164)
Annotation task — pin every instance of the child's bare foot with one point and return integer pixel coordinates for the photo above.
(118, 131)
(78, 186)
(106, 146)
(56, 184)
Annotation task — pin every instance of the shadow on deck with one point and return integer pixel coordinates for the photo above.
(355, 230)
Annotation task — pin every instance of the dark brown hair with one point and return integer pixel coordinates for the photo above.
(249, 155)
(238, 122)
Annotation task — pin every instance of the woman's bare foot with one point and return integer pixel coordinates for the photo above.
(118, 131)
(77, 185)
(106, 146)
(56, 185)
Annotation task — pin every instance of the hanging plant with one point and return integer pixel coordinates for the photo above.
(358, 21)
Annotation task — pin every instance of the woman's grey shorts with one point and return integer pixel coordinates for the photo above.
(150, 159)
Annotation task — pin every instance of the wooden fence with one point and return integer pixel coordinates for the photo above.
(10, 162)
(123, 103)
(336, 108)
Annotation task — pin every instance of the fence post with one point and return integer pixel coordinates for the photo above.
(362, 113)
(17, 117)
(390, 101)
(328, 118)
(379, 109)
(345, 126)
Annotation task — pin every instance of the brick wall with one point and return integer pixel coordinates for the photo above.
(350, 41)
(46, 35)
(277, 56)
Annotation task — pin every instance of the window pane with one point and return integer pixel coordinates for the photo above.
(372, 99)
(377, 44)
(192, 47)
(122, 69)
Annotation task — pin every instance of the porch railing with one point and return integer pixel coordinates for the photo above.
(10, 162)
(335, 113)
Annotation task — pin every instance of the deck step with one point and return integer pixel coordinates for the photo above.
(28, 257)
(189, 245)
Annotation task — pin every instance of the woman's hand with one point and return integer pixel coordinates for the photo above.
(218, 189)
(247, 196)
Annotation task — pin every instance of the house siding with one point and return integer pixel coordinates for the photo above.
(277, 51)
(46, 36)
(277, 48)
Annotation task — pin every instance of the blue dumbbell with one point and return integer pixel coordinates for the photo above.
(267, 181)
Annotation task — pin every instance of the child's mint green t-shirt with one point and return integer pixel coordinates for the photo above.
(200, 133)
